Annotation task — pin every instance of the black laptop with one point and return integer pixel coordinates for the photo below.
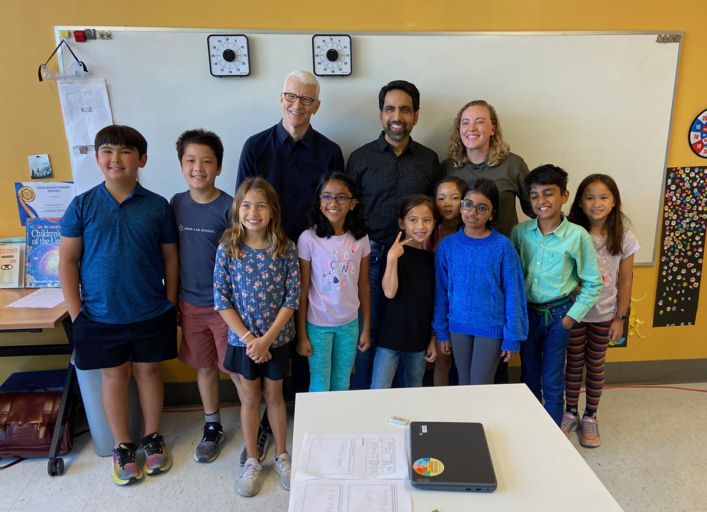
(449, 456)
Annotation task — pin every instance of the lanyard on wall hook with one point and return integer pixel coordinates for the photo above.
(76, 70)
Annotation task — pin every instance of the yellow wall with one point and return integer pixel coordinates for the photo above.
(30, 116)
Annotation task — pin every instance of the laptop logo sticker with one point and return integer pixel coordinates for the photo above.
(428, 466)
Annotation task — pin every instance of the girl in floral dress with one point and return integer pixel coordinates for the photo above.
(256, 291)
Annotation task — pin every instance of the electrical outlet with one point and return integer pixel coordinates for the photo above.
(104, 34)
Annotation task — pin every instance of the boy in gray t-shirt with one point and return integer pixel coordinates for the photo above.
(202, 214)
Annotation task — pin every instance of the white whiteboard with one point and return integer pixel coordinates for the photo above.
(587, 102)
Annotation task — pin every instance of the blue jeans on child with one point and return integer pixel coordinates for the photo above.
(333, 354)
(364, 360)
(542, 358)
(385, 365)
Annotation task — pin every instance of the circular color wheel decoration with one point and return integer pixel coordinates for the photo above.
(428, 466)
(698, 135)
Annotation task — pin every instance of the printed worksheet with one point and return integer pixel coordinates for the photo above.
(45, 298)
(350, 496)
(353, 456)
(86, 109)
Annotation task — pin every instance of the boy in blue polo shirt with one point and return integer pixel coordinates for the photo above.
(556, 256)
(118, 268)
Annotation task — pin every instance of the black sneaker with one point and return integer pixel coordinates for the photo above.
(263, 441)
(210, 446)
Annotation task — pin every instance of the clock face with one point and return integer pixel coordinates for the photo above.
(228, 55)
(698, 135)
(331, 54)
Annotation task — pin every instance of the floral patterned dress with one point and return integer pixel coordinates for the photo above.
(256, 286)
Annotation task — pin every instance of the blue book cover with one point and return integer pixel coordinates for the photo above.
(42, 253)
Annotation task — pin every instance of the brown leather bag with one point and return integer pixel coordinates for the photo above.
(27, 422)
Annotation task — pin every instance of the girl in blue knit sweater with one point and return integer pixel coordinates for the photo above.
(480, 292)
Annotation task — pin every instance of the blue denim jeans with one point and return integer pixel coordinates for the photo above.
(542, 358)
(364, 360)
(385, 365)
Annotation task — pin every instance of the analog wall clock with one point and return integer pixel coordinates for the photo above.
(228, 55)
(331, 54)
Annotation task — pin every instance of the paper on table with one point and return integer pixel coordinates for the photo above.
(42, 298)
(350, 496)
(349, 456)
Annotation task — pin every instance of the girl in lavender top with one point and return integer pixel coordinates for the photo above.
(334, 255)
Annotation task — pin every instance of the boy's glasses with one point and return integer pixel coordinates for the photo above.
(340, 198)
(468, 205)
(304, 100)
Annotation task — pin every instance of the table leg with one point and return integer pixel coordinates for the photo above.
(55, 465)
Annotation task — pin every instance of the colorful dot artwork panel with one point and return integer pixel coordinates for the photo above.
(698, 135)
(682, 246)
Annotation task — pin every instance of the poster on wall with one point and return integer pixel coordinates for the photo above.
(681, 247)
(86, 109)
(42, 199)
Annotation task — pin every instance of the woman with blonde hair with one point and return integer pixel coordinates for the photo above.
(477, 150)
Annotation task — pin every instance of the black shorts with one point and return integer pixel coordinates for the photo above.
(100, 345)
(276, 369)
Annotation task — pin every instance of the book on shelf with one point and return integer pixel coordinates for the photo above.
(12, 262)
(42, 253)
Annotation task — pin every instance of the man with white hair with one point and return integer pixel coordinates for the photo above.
(292, 155)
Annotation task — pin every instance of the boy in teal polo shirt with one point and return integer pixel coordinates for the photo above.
(118, 269)
(556, 257)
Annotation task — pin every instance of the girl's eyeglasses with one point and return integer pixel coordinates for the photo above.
(340, 198)
(468, 205)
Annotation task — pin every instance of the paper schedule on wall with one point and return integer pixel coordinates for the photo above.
(86, 109)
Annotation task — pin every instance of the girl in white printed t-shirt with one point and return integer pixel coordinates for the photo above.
(597, 207)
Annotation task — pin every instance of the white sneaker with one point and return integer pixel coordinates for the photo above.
(283, 467)
(249, 482)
